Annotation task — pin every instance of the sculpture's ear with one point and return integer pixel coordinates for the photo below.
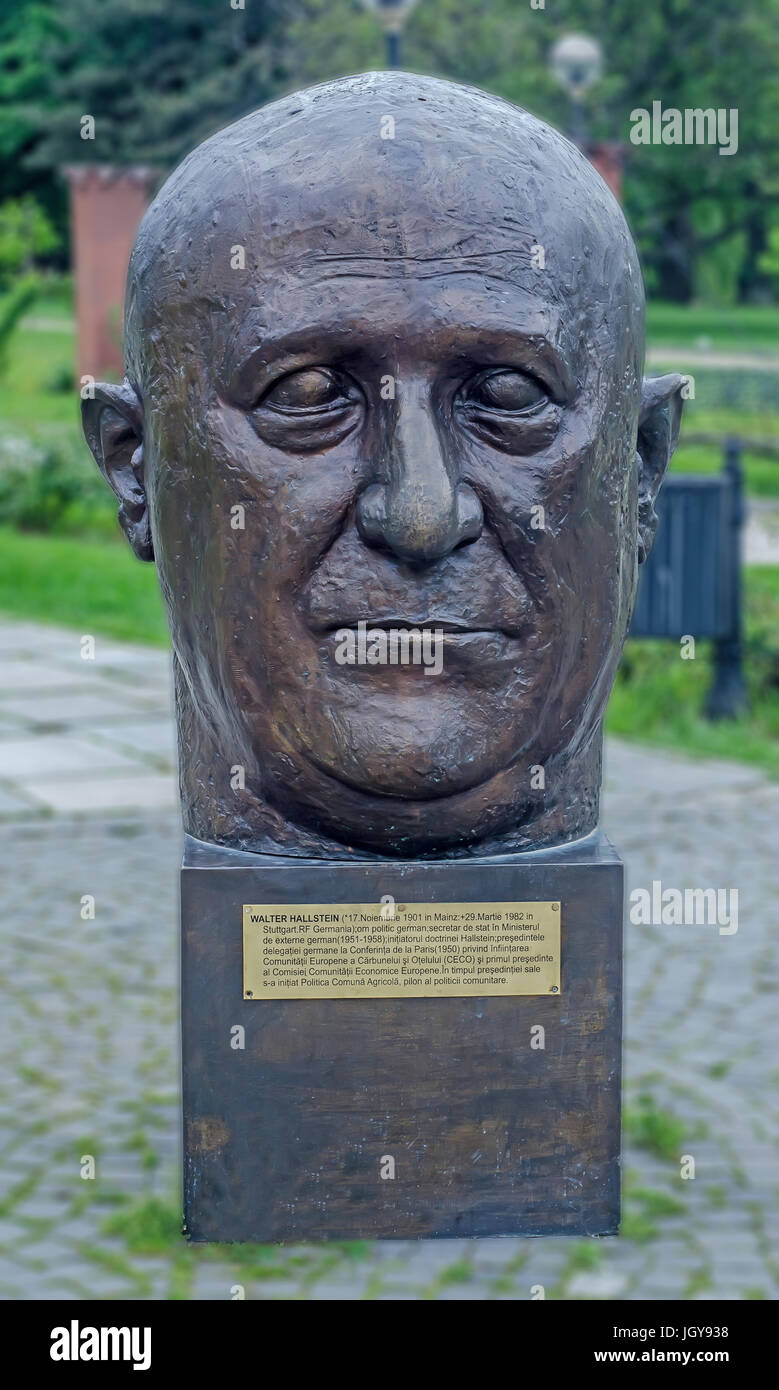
(658, 431)
(113, 425)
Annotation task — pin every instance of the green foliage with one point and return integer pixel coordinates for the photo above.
(742, 392)
(158, 78)
(26, 29)
(53, 488)
(26, 235)
(769, 261)
(637, 1226)
(761, 475)
(12, 308)
(148, 1227)
(656, 1203)
(762, 634)
(458, 1272)
(650, 1127)
(699, 1281)
(60, 383)
(688, 204)
(585, 1255)
(34, 357)
(718, 1070)
(687, 201)
(658, 698)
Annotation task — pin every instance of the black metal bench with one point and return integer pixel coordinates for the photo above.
(691, 583)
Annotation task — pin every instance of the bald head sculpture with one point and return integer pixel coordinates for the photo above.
(384, 345)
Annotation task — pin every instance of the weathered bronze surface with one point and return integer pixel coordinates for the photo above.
(388, 371)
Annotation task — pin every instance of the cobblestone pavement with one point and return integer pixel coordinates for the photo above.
(89, 1046)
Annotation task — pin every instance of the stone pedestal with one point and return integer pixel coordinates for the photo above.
(344, 1118)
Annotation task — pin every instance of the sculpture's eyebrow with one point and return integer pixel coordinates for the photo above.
(487, 341)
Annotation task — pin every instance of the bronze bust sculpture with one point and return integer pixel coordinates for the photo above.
(384, 347)
(384, 432)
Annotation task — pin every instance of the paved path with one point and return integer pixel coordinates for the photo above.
(761, 532)
(697, 356)
(89, 1048)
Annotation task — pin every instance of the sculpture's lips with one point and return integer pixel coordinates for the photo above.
(448, 626)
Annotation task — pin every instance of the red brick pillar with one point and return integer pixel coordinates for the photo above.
(106, 206)
(608, 158)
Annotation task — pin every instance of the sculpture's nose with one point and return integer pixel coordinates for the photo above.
(421, 513)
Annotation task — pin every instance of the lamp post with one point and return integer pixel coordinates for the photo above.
(392, 16)
(577, 62)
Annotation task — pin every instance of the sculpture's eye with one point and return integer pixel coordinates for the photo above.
(308, 410)
(505, 389)
(312, 388)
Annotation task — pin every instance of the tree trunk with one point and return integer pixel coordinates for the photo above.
(674, 260)
(755, 286)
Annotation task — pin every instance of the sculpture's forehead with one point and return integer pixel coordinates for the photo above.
(340, 195)
(414, 199)
(345, 194)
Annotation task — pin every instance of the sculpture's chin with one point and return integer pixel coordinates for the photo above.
(393, 804)
(393, 826)
(402, 783)
(419, 751)
(411, 769)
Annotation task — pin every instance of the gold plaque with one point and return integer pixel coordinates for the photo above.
(389, 950)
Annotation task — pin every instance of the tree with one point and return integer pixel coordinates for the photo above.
(684, 202)
(157, 76)
(26, 28)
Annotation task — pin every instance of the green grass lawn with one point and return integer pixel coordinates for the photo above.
(658, 698)
(761, 475)
(734, 328)
(90, 585)
(99, 587)
(38, 387)
(745, 424)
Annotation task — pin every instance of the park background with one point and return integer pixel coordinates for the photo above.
(159, 77)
